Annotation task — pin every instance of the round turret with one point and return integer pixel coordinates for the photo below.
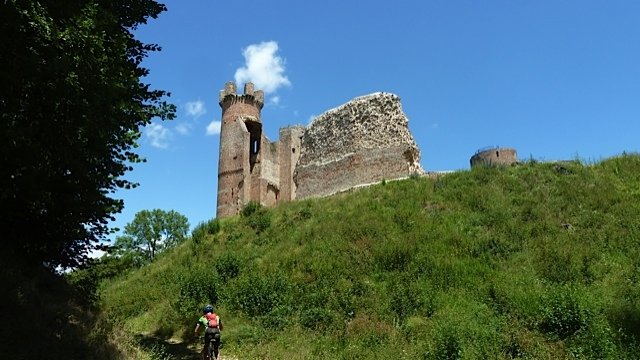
(494, 156)
(240, 136)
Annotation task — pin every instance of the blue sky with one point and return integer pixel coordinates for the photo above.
(553, 79)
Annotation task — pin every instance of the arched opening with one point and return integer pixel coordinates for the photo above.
(255, 135)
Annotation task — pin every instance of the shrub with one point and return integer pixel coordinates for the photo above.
(245, 335)
(256, 294)
(448, 344)
(227, 266)
(256, 216)
(278, 318)
(415, 328)
(316, 318)
(196, 288)
(342, 299)
(311, 295)
(404, 298)
(562, 313)
(393, 255)
(199, 233)
(558, 265)
(596, 341)
(250, 208)
(304, 213)
(210, 227)
(213, 226)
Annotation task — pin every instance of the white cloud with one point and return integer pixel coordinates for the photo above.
(195, 108)
(214, 127)
(158, 135)
(263, 67)
(274, 100)
(183, 128)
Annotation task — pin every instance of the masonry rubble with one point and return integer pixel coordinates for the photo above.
(363, 141)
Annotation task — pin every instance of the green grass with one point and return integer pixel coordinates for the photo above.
(539, 260)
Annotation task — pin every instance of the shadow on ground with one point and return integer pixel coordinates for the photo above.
(169, 349)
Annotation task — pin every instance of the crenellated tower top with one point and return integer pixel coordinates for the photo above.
(252, 97)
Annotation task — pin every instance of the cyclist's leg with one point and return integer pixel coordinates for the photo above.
(206, 350)
(216, 345)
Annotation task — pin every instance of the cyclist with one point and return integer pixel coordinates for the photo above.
(212, 325)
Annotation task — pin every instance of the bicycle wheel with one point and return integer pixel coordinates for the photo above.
(210, 351)
(206, 351)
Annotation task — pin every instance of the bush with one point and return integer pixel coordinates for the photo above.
(255, 294)
(316, 318)
(244, 334)
(250, 208)
(394, 255)
(558, 266)
(203, 229)
(414, 328)
(197, 287)
(256, 216)
(227, 266)
(278, 318)
(404, 298)
(596, 341)
(563, 314)
(448, 344)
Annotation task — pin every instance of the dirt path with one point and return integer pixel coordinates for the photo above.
(177, 349)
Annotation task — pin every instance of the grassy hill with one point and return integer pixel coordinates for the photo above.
(539, 260)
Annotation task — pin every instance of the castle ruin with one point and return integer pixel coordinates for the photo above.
(361, 142)
(494, 156)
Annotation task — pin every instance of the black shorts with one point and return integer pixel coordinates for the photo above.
(212, 335)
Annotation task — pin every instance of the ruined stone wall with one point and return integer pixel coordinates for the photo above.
(289, 147)
(494, 156)
(363, 141)
(266, 174)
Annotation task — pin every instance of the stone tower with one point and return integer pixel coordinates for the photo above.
(494, 155)
(240, 144)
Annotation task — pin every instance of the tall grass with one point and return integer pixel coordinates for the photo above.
(539, 260)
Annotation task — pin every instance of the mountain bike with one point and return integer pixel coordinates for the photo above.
(207, 351)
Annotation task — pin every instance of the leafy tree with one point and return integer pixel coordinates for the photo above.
(151, 232)
(71, 108)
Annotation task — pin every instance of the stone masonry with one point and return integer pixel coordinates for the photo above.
(361, 142)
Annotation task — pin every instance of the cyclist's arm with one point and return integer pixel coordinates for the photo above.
(198, 324)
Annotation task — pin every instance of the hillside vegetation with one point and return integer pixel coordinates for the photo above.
(539, 260)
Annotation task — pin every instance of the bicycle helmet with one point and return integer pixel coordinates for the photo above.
(208, 309)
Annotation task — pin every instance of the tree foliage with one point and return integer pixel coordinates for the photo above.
(72, 104)
(151, 232)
